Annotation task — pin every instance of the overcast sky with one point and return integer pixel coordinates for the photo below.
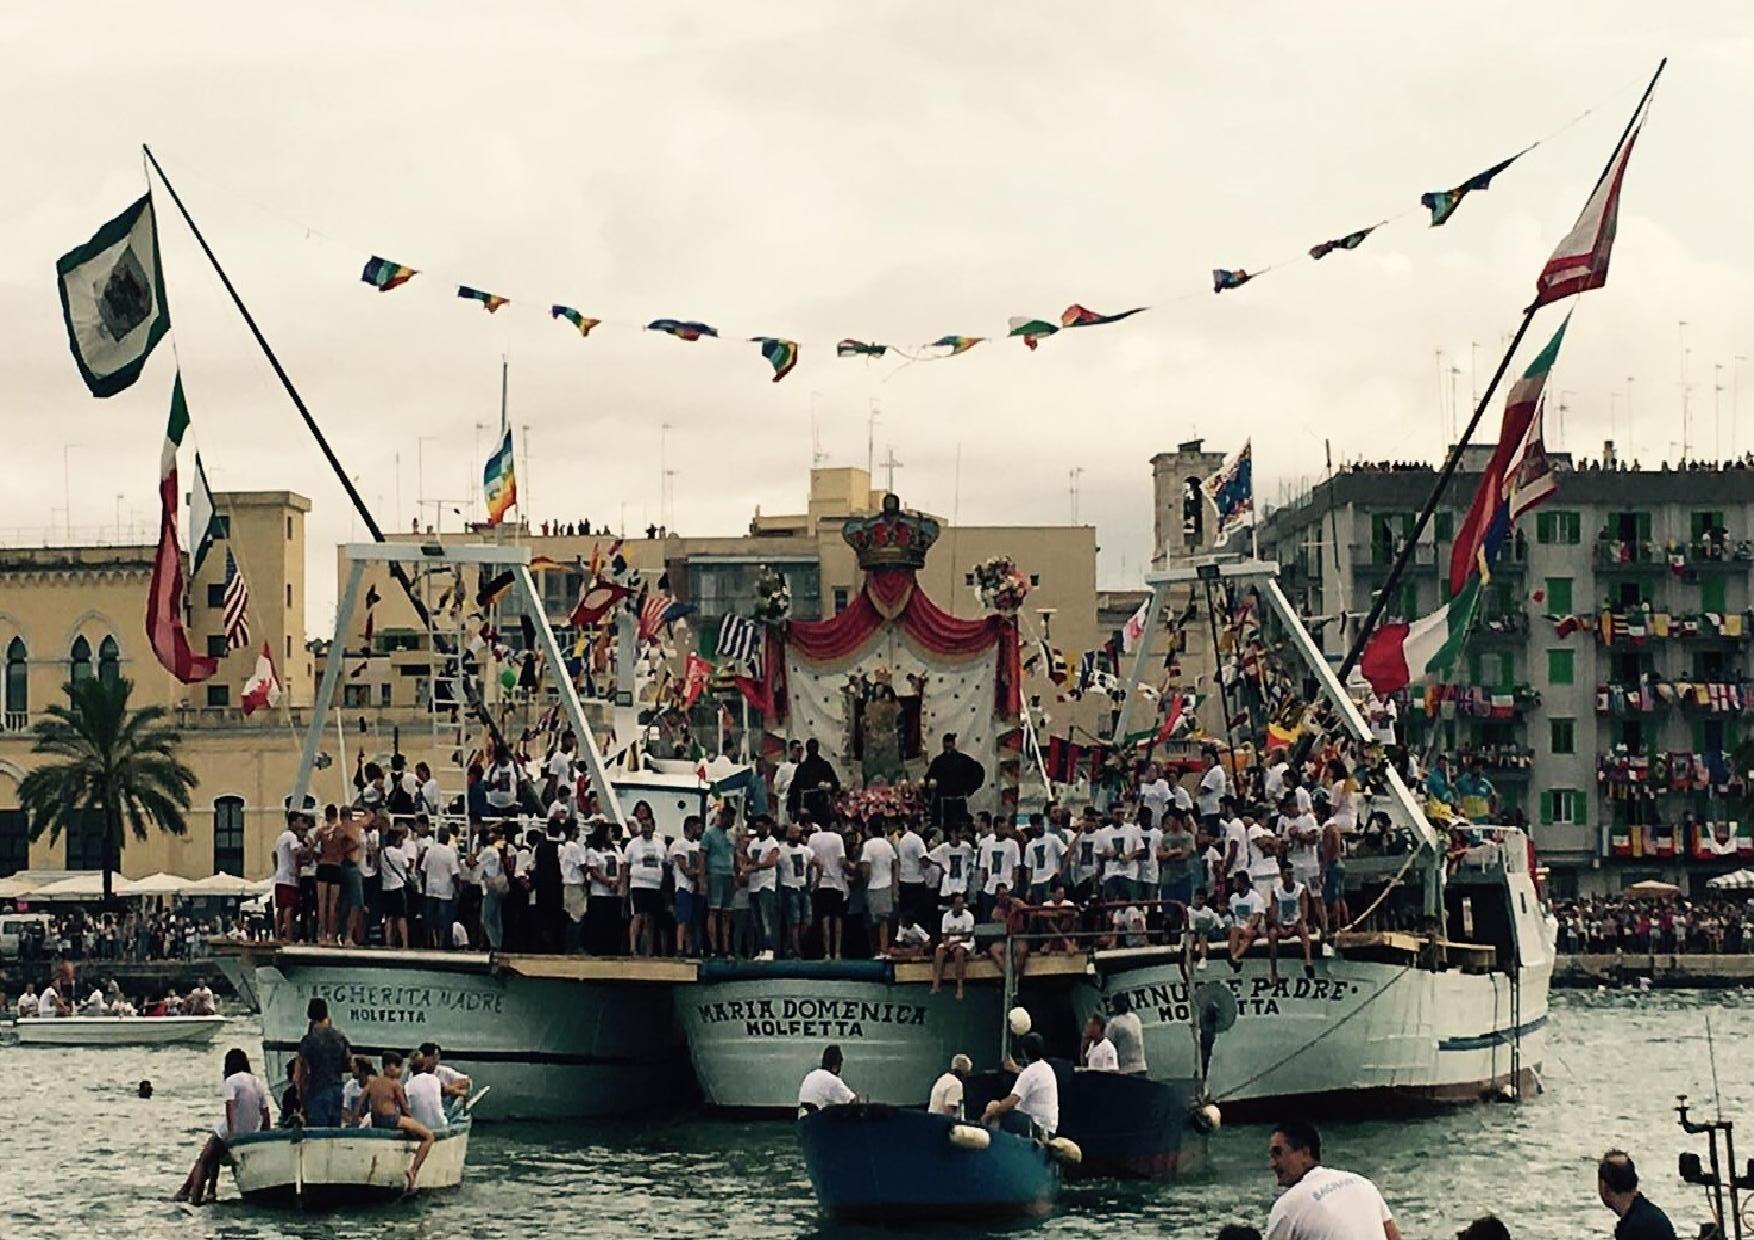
(894, 172)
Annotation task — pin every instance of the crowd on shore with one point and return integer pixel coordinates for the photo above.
(1669, 927)
(133, 936)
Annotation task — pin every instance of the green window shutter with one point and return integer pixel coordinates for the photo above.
(1543, 527)
(1559, 667)
(1642, 524)
(1547, 807)
(1443, 526)
(1711, 594)
(1572, 525)
(1559, 596)
(1580, 806)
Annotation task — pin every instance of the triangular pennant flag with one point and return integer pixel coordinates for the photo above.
(682, 329)
(1076, 315)
(583, 322)
(1351, 241)
(112, 299)
(1223, 278)
(956, 344)
(782, 355)
(1443, 203)
(384, 275)
(1031, 331)
(492, 301)
(859, 348)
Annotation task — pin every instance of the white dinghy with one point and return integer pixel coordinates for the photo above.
(118, 1030)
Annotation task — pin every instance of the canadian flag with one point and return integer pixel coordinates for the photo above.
(263, 688)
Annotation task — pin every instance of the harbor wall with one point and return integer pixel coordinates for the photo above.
(1710, 971)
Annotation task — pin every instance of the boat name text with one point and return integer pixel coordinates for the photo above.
(808, 1018)
(1254, 996)
(357, 1003)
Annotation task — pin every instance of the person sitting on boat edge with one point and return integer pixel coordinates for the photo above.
(386, 1102)
(1032, 1108)
(1099, 1053)
(1617, 1185)
(1247, 911)
(1320, 1203)
(822, 1087)
(425, 1090)
(912, 940)
(958, 933)
(1205, 922)
(246, 1111)
(453, 1082)
(1289, 914)
(947, 1090)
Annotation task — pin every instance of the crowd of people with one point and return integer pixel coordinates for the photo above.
(1238, 853)
(137, 935)
(1601, 924)
(60, 996)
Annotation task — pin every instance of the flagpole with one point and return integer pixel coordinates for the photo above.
(1450, 465)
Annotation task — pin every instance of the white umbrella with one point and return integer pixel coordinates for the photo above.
(222, 885)
(161, 884)
(1737, 880)
(86, 886)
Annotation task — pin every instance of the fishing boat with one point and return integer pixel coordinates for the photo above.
(1127, 1127)
(118, 1030)
(556, 1037)
(1445, 1004)
(321, 1167)
(869, 1161)
(755, 1029)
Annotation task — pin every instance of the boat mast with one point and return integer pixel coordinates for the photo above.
(1408, 546)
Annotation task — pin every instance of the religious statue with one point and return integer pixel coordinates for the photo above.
(885, 725)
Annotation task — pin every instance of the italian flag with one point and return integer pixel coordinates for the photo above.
(165, 597)
(1399, 654)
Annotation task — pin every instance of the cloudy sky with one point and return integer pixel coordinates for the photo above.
(888, 171)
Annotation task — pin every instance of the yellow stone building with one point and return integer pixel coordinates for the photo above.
(72, 611)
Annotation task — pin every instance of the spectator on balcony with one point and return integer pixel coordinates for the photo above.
(1478, 798)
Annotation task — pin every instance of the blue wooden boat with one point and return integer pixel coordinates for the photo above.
(876, 1163)
(1129, 1127)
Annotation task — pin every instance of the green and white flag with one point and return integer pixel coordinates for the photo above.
(203, 518)
(112, 298)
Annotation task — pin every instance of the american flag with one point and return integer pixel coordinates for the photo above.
(651, 614)
(740, 641)
(237, 606)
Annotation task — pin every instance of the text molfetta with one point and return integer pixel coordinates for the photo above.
(1167, 1002)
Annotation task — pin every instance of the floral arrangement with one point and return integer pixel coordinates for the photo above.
(898, 800)
(1000, 585)
(773, 596)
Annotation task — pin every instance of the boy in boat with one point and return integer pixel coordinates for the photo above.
(1205, 923)
(1289, 914)
(1247, 911)
(353, 1093)
(386, 1102)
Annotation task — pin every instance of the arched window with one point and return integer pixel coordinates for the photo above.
(228, 835)
(17, 684)
(109, 661)
(80, 660)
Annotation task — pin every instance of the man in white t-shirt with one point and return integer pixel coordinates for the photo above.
(796, 862)
(878, 864)
(1042, 857)
(685, 875)
(1035, 1094)
(287, 849)
(954, 860)
(1155, 793)
(1381, 714)
(947, 1089)
(562, 766)
(822, 1087)
(765, 853)
(425, 1093)
(394, 865)
(914, 892)
(1099, 1053)
(1301, 836)
(1214, 784)
(572, 889)
(828, 855)
(441, 869)
(999, 859)
(1263, 851)
(1233, 838)
(783, 774)
(1207, 920)
(1120, 870)
(1321, 1203)
(955, 941)
(1248, 913)
(645, 882)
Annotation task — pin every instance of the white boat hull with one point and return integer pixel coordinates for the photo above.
(1361, 1036)
(335, 1166)
(550, 1048)
(752, 1041)
(118, 1030)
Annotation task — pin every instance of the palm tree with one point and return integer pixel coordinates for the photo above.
(120, 762)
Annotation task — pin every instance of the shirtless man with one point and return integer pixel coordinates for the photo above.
(387, 1103)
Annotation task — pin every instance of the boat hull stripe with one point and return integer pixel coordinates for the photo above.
(464, 1056)
(1498, 1037)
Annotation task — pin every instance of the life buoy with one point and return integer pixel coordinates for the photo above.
(970, 1137)
(1066, 1150)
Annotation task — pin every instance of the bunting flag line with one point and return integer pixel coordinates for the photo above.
(262, 690)
(166, 596)
(500, 480)
(1351, 241)
(1580, 262)
(782, 355)
(682, 329)
(1488, 521)
(956, 344)
(859, 348)
(237, 606)
(492, 301)
(1031, 331)
(112, 299)
(583, 322)
(1223, 278)
(1076, 315)
(384, 275)
(1443, 203)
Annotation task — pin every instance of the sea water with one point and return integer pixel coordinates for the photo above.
(82, 1156)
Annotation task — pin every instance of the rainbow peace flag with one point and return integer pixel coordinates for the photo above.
(384, 275)
(1076, 315)
(583, 322)
(500, 480)
(491, 300)
(682, 329)
(782, 355)
(956, 344)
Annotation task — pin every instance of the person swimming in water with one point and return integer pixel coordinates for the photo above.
(386, 1102)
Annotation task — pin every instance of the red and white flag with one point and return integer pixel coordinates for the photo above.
(1134, 629)
(651, 614)
(263, 688)
(1581, 261)
(166, 596)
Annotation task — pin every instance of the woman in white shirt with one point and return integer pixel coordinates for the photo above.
(246, 1111)
(393, 867)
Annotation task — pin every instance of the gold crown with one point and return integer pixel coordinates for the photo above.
(893, 538)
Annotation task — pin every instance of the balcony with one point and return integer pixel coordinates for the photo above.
(1652, 694)
(1623, 775)
(1500, 761)
(1719, 843)
(1634, 557)
(1633, 626)
(1478, 702)
(1378, 558)
(1512, 626)
(1712, 554)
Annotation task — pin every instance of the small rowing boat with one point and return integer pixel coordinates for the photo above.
(320, 1167)
(868, 1161)
(118, 1030)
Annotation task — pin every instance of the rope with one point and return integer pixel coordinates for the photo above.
(1331, 1029)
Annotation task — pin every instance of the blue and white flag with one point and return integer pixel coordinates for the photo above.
(1232, 492)
(740, 642)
